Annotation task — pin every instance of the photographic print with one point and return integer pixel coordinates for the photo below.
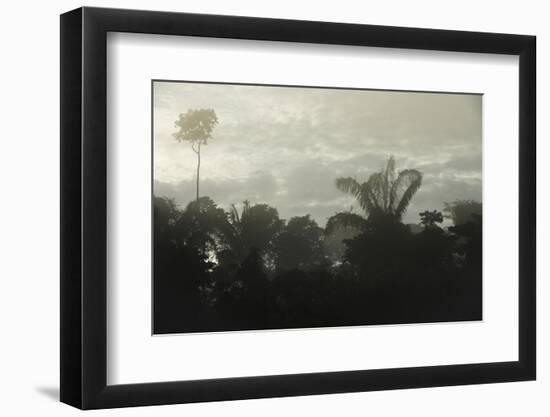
(280, 207)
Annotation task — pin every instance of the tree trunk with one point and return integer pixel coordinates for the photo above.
(198, 169)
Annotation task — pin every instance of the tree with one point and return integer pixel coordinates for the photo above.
(254, 228)
(381, 252)
(166, 215)
(244, 301)
(196, 126)
(334, 245)
(299, 245)
(462, 211)
(201, 224)
(345, 220)
(181, 271)
(471, 240)
(428, 218)
(385, 194)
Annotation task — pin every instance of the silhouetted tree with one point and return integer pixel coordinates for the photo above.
(470, 240)
(245, 268)
(196, 127)
(255, 227)
(432, 250)
(245, 302)
(429, 219)
(299, 245)
(345, 220)
(461, 211)
(470, 248)
(381, 251)
(333, 242)
(181, 273)
(384, 194)
(201, 225)
(166, 215)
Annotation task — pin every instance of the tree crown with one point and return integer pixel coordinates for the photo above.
(196, 126)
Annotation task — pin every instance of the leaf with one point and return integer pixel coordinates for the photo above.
(410, 181)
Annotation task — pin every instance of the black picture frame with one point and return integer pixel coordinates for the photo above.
(84, 207)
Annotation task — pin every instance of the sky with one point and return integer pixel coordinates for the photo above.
(285, 146)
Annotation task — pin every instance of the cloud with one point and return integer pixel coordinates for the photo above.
(286, 146)
(259, 187)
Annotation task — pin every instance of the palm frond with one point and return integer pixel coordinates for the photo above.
(231, 228)
(373, 192)
(388, 177)
(234, 214)
(408, 180)
(384, 191)
(348, 185)
(351, 186)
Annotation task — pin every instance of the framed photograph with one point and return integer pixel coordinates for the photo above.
(257, 207)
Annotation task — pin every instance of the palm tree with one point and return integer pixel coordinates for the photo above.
(385, 194)
(255, 227)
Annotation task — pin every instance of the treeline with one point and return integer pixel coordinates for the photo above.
(246, 268)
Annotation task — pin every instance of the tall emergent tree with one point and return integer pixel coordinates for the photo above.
(196, 126)
(386, 194)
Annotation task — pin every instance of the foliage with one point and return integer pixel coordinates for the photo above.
(299, 245)
(429, 219)
(385, 192)
(345, 220)
(200, 224)
(470, 240)
(254, 228)
(181, 269)
(246, 268)
(334, 246)
(196, 126)
(462, 211)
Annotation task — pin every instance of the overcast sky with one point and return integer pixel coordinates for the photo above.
(286, 146)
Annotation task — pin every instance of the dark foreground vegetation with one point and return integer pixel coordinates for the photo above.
(243, 269)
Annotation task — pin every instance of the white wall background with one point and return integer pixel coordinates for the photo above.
(29, 237)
